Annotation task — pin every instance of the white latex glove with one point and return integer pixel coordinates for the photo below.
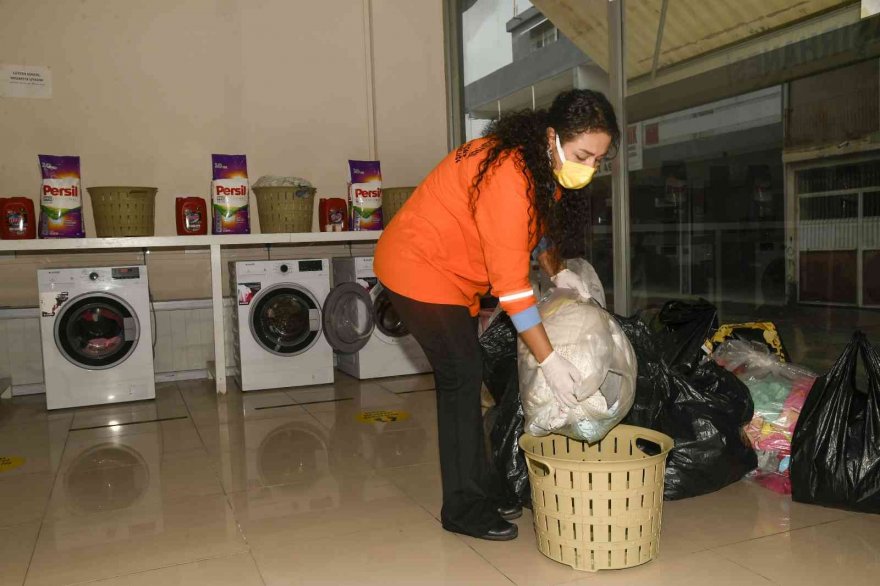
(565, 279)
(562, 377)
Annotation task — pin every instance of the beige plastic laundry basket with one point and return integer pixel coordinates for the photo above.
(598, 507)
(285, 209)
(122, 210)
(393, 199)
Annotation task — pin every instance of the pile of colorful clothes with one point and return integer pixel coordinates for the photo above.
(779, 391)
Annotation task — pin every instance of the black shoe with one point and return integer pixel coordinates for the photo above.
(502, 531)
(510, 512)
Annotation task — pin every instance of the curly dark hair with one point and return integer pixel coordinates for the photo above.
(573, 112)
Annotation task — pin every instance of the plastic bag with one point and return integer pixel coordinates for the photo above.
(590, 338)
(763, 333)
(836, 445)
(280, 181)
(588, 275)
(498, 348)
(686, 327)
(505, 421)
(778, 390)
(704, 411)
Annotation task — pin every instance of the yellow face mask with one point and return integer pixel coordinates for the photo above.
(572, 175)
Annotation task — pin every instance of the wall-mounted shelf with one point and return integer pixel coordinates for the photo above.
(183, 241)
(214, 243)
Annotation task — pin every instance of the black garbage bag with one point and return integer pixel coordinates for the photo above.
(504, 421)
(498, 347)
(686, 325)
(703, 410)
(835, 450)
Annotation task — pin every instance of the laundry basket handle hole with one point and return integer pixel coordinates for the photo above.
(537, 468)
(648, 447)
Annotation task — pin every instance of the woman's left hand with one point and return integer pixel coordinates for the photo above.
(563, 378)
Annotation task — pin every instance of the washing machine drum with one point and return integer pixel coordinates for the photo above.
(388, 322)
(97, 331)
(285, 320)
(352, 313)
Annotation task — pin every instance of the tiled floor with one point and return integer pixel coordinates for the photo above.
(289, 487)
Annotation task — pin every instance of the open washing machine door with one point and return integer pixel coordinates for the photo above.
(355, 311)
(285, 319)
(348, 317)
(96, 331)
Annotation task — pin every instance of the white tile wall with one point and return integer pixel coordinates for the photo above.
(21, 358)
(184, 339)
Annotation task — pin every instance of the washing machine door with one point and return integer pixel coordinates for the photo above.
(97, 331)
(285, 319)
(391, 328)
(349, 317)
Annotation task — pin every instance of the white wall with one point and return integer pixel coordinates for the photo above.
(145, 92)
(410, 88)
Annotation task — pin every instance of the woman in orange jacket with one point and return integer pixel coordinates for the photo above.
(470, 229)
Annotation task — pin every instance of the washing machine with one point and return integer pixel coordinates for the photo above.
(369, 338)
(97, 337)
(278, 335)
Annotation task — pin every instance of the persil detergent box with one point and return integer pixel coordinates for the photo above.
(60, 198)
(365, 195)
(229, 194)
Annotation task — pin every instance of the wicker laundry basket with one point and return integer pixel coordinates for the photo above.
(122, 210)
(393, 199)
(285, 209)
(598, 507)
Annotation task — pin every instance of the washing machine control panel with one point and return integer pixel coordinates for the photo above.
(90, 275)
(288, 268)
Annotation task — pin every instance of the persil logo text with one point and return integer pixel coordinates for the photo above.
(72, 191)
(221, 190)
(367, 192)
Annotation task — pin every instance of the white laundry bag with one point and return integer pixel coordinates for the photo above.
(591, 339)
(588, 275)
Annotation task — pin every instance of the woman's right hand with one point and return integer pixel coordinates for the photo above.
(563, 377)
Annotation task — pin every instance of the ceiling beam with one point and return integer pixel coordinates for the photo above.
(659, 42)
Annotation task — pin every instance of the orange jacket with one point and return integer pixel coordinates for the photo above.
(436, 250)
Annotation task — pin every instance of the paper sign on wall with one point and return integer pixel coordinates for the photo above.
(25, 81)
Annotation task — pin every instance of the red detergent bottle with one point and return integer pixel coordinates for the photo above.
(333, 215)
(17, 219)
(192, 216)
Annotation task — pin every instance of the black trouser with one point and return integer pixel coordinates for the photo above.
(448, 335)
